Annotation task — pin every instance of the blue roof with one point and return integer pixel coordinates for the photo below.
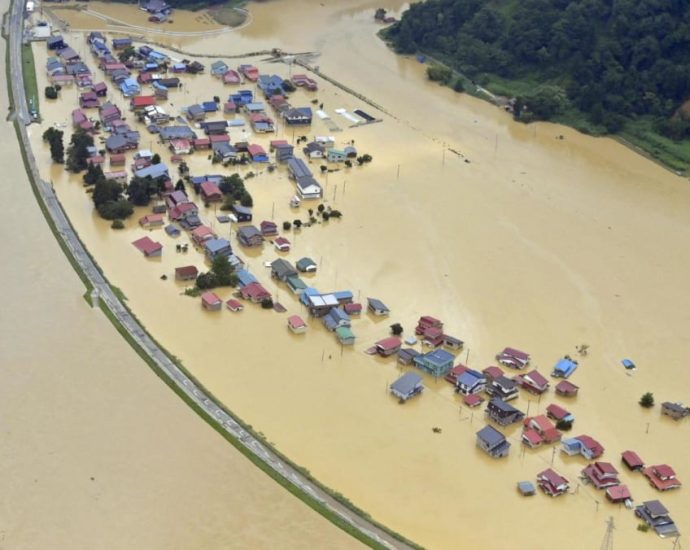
(172, 230)
(216, 245)
(341, 294)
(470, 377)
(377, 304)
(155, 171)
(309, 291)
(339, 315)
(490, 435)
(245, 278)
(565, 367)
(209, 106)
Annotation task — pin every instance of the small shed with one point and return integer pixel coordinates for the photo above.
(306, 265)
(296, 324)
(526, 488)
(377, 307)
(234, 305)
(186, 273)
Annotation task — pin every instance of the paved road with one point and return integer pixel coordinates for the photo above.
(214, 411)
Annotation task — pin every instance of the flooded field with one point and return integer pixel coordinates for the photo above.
(97, 452)
(538, 242)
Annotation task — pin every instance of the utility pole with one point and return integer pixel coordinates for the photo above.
(607, 543)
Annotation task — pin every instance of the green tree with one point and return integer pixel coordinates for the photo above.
(51, 92)
(93, 174)
(647, 400)
(140, 190)
(77, 152)
(396, 329)
(116, 210)
(156, 159)
(54, 138)
(105, 191)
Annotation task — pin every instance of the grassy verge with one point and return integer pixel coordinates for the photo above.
(671, 154)
(227, 15)
(30, 82)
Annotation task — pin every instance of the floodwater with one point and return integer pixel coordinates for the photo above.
(97, 452)
(538, 242)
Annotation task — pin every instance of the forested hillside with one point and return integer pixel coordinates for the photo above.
(612, 61)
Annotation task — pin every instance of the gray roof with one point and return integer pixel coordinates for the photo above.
(505, 382)
(491, 436)
(298, 168)
(282, 268)
(177, 132)
(155, 171)
(249, 231)
(655, 508)
(304, 263)
(374, 303)
(406, 383)
(115, 142)
(501, 405)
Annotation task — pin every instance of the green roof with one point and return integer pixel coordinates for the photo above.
(344, 333)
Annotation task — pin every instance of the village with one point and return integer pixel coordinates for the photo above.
(230, 128)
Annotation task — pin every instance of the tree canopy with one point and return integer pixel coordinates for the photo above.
(613, 61)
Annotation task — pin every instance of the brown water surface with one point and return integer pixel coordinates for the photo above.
(537, 242)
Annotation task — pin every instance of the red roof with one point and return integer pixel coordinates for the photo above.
(472, 400)
(541, 423)
(618, 493)
(187, 271)
(532, 437)
(118, 159)
(234, 305)
(295, 321)
(281, 242)
(536, 377)
(556, 411)
(552, 477)
(210, 298)
(147, 246)
(255, 291)
(457, 370)
(606, 468)
(143, 100)
(219, 138)
(592, 444)
(151, 218)
(275, 142)
(632, 459)
(433, 333)
(566, 387)
(392, 342)
(493, 372)
(664, 470)
(209, 189)
(202, 232)
(201, 142)
(352, 308)
(516, 353)
(255, 150)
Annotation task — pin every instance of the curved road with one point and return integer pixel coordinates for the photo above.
(196, 393)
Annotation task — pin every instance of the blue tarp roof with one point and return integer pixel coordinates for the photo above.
(244, 277)
(565, 367)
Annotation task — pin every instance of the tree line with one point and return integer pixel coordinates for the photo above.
(612, 61)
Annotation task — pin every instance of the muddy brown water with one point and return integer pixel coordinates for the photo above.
(537, 242)
(96, 451)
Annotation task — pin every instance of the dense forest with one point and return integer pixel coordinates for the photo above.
(612, 62)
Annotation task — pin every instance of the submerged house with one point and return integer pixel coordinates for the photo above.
(583, 445)
(388, 346)
(210, 301)
(662, 477)
(552, 483)
(306, 265)
(437, 362)
(632, 460)
(407, 386)
(533, 382)
(566, 388)
(503, 388)
(470, 382)
(502, 413)
(217, 247)
(148, 247)
(513, 358)
(377, 307)
(675, 410)
(655, 514)
(345, 336)
(282, 269)
(492, 442)
(601, 474)
(249, 236)
(564, 368)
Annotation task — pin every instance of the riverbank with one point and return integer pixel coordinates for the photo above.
(638, 135)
